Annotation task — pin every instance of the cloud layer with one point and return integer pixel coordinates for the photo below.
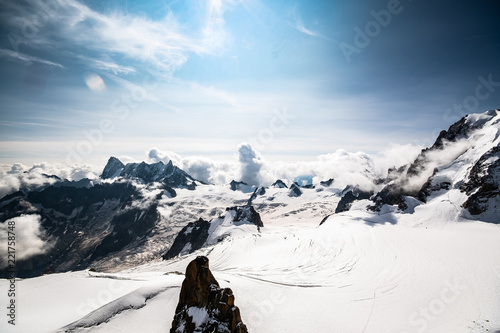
(29, 238)
(19, 176)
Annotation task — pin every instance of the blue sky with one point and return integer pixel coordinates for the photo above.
(83, 80)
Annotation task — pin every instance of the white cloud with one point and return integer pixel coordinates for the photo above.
(27, 59)
(29, 237)
(299, 25)
(347, 168)
(250, 165)
(220, 94)
(160, 44)
(22, 177)
(434, 159)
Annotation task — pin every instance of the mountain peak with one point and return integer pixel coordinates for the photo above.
(112, 168)
(147, 173)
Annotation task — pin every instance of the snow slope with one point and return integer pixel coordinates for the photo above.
(431, 267)
(347, 275)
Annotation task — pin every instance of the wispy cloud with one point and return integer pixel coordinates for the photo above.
(217, 93)
(69, 25)
(25, 58)
(299, 25)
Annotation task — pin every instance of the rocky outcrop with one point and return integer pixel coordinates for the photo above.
(483, 184)
(246, 214)
(168, 174)
(197, 234)
(82, 224)
(326, 183)
(390, 195)
(113, 168)
(203, 306)
(236, 186)
(191, 238)
(350, 195)
(258, 191)
(279, 184)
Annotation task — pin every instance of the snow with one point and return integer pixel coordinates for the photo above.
(198, 315)
(433, 268)
(358, 272)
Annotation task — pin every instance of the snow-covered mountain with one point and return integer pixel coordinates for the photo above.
(409, 254)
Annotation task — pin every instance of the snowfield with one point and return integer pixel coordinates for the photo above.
(406, 266)
(358, 272)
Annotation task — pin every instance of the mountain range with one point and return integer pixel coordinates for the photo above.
(140, 212)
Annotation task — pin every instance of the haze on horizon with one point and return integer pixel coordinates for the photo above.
(84, 80)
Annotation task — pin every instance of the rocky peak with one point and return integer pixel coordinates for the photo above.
(113, 168)
(168, 173)
(351, 194)
(279, 184)
(294, 191)
(246, 214)
(203, 306)
(191, 238)
(483, 183)
(326, 183)
(235, 186)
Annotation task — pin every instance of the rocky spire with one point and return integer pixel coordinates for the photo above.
(203, 306)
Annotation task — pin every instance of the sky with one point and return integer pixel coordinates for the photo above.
(84, 80)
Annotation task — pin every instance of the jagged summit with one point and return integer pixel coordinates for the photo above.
(147, 173)
(279, 184)
(203, 306)
(112, 169)
(464, 159)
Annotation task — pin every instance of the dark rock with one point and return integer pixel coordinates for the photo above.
(430, 187)
(349, 197)
(279, 184)
(113, 168)
(324, 219)
(326, 183)
(49, 270)
(168, 174)
(483, 183)
(235, 186)
(390, 195)
(80, 231)
(258, 191)
(246, 214)
(195, 234)
(201, 293)
(294, 191)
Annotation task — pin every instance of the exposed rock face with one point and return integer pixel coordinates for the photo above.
(235, 186)
(196, 235)
(390, 195)
(203, 306)
(246, 214)
(326, 183)
(295, 191)
(279, 184)
(349, 197)
(167, 174)
(83, 224)
(258, 191)
(402, 182)
(484, 182)
(191, 238)
(113, 168)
